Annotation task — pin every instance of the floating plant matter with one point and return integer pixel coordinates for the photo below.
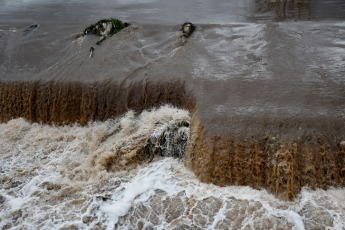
(104, 28)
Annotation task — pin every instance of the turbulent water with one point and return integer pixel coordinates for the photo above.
(142, 133)
(57, 178)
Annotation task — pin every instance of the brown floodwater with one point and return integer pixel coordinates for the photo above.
(261, 78)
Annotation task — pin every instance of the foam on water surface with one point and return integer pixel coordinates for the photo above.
(265, 77)
(54, 178)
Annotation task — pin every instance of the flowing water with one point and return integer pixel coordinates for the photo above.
(58, 178)
(152, 132)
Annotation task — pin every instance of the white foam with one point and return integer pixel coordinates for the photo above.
(140, 189)
(48, 181)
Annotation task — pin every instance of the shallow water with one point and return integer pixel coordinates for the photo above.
(267, 61)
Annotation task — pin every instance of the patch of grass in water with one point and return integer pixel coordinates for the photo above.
(97, 28)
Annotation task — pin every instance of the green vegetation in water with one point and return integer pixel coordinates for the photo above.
(105, 27)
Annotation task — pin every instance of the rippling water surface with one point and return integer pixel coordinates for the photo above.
(258, 91)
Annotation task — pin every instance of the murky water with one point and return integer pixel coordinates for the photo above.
(57, 178)
(268, 60)
(264, 85)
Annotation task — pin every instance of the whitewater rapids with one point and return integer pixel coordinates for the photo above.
(49, 179)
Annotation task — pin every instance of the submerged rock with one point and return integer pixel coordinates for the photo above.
(28, 30)
(187, 29)
(170, 141)
(2, 199)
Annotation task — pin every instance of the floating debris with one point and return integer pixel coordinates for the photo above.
(91, 51)
(187, 30)
(29, 30)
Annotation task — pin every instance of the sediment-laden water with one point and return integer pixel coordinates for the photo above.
(153, 129)
(88, 177)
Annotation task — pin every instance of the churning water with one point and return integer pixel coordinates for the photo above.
(157, 131)
(58, 177)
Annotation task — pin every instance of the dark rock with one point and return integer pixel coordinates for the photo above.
(104, 198)
(187, 29)
(27, 31)
(171, 142)
(2, 199)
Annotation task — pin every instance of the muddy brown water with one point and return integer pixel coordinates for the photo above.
(263, 79)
